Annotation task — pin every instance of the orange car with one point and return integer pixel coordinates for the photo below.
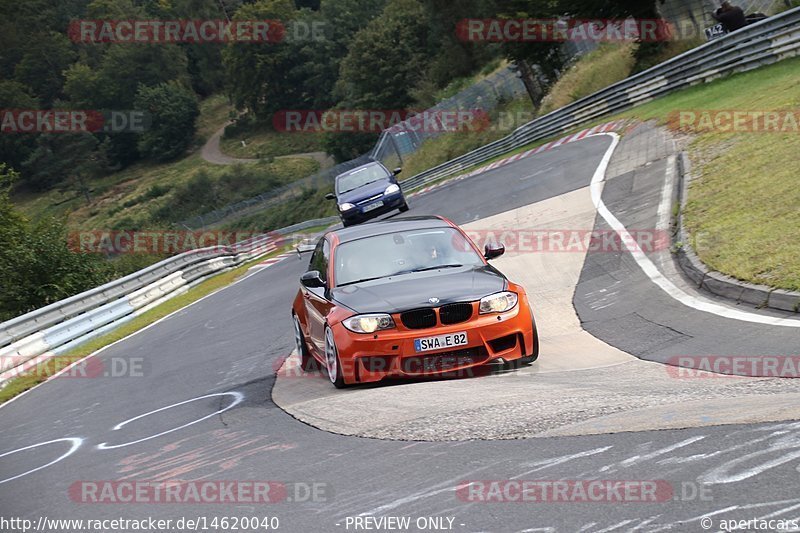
(408, 297)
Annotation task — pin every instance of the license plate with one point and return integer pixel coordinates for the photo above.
(373, 206)
(715, 32)
(440, 342)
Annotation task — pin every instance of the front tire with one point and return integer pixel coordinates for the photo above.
(404, 207)
(307, 361)
(332, 361)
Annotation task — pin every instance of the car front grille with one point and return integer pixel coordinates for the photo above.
(426, 317)
(419, 318)
(455, 313)
(370, 199)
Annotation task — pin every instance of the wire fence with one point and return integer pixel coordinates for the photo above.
(408, 136)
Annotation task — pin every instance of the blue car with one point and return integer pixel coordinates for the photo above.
(366, 192)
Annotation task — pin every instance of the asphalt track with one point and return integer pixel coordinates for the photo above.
(202, 407)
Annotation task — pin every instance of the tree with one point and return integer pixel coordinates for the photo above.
(42, 65)
(204, 60)
(341, 20)
(114, 82)
(621, 9)
(16, 148)
(36, 264)
(534, 58)
(173, 110)
(451, 57)
(68, 161)
(386, 59)
(257, 72)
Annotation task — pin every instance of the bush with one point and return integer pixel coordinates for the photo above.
(202, 194)
(173, 110)
(37, 265)
(307, 205)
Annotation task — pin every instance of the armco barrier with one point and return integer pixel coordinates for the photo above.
(63, 325)
(73, 320)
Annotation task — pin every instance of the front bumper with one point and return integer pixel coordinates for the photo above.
(357, 214)
(368, 358)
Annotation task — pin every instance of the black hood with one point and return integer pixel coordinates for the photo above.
(412, 291)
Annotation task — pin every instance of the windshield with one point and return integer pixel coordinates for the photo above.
(359, 177)
(402, 253)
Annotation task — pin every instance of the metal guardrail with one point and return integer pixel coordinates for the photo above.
(760, 44)
(62, 325)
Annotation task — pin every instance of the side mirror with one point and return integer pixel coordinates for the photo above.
(312, 279)
(492, 251)
(330, 196)
(397, 171)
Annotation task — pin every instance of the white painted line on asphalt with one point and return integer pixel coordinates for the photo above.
(75, 444)
(666, 194)
(650, 269)
(238, 397)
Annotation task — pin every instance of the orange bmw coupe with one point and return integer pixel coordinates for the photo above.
(408, 297)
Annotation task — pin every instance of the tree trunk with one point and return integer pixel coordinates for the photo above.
(529, 79)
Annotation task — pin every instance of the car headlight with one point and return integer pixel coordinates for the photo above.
(392, 189)
(498, 303)
(369, 323)
(346, 206)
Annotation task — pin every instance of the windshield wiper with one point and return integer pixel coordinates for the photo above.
(360, 281)
(425, 269)
(437, 267)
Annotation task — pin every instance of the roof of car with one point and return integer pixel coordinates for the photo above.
(389, 226)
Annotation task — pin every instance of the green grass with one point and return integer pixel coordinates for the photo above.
(130, 199)
(214, 113)
(141, 196)
(22, 383)
(742, 207)
(742, 211)
(596, 70)
(308, 205)
(265, 143)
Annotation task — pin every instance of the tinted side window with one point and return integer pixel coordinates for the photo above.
(315, 255)
(319, 260)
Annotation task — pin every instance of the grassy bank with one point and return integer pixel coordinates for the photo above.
(742, 211)
(156, 195)
(742, 207)
(146, 196)
(600, 68)
(266, 143)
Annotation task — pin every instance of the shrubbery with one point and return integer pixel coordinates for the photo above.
(37, 266)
